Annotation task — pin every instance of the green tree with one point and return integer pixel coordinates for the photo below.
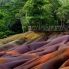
(8, 11)
(34, 12)
(63, 12)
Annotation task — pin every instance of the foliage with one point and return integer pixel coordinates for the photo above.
(6, 33)
(45, 12)
(40, 12)
(32, 13)
(8, 11)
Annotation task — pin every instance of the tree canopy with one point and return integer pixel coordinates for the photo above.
(23, 13)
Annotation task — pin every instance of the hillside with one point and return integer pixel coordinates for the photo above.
(35, 50)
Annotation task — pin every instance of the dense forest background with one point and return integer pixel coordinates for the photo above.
(17, 15)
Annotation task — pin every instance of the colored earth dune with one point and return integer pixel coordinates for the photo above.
(35, 50)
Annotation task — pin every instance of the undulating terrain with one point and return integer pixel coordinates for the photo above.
(35, 50)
